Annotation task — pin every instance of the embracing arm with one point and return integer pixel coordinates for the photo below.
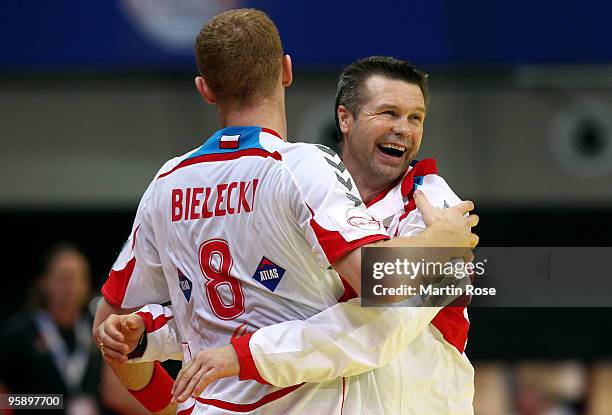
(118, 333)
(343, 340)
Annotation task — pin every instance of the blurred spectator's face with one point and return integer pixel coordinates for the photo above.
(392, 115)
(67, 281)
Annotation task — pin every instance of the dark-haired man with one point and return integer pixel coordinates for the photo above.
(380, 110)
(407, 361)
(246, 201)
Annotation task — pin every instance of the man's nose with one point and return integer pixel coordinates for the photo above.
(401, 127)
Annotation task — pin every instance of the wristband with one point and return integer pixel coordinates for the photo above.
(248, 369)
(158, 393)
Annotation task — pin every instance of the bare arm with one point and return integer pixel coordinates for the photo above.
(134, 376)
(115, 395)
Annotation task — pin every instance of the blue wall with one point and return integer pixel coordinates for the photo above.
(99, 35)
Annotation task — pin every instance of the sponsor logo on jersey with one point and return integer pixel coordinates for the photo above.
(268, 274)
(362, 219)
(185, 285)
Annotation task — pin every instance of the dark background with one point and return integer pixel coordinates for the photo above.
(509, 333)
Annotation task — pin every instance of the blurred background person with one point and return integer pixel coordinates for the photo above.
(48, 348)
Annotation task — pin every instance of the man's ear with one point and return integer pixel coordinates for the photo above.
(204, 90)
(345, 119)
(287, 74)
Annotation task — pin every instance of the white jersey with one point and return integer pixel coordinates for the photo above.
(414, 357)
(386, 360)
(240, 234)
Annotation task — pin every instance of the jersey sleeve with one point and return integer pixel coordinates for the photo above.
(343, 340)
(163, 337)
(137, 277)
(327, 205)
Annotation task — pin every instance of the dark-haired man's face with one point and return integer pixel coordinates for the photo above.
(385, 135)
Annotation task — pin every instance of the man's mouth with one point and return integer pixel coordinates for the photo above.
(393, 150)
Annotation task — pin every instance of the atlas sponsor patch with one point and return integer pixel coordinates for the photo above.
(362, 219)
(268, 274)
(185, 285)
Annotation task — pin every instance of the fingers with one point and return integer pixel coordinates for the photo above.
(111, 338)
(205, 380)
(131, 322)
(205, 368)
(474, 240)
(111, 344)
(132, 326)
(473, 220)
(179, 377)
(189, 388)
(184, 377)
(427, 210)
(112, 328)
(110, 354)
(464, 207)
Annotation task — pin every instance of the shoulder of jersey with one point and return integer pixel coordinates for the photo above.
(299, 148)
(286, 147)
(171, 164)
(235, 142)
(311, 160)
(226, 144)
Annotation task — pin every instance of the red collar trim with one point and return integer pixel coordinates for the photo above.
(271, 131)
(384, 193)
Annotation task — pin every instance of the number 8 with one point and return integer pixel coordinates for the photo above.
(219, 276)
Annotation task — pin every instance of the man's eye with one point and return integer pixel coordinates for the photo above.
(417, 117)
(389, 113)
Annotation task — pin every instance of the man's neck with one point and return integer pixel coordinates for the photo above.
(268, 113)
(368, 188)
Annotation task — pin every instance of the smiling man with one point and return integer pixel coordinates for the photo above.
(381, 360)
(371, 99)
(243, 202)
(380, 112)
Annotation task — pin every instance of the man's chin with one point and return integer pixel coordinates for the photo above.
(391, 173)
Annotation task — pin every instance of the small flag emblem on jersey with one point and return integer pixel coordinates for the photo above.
(185, 285)
(268, 274)
(229, 141)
